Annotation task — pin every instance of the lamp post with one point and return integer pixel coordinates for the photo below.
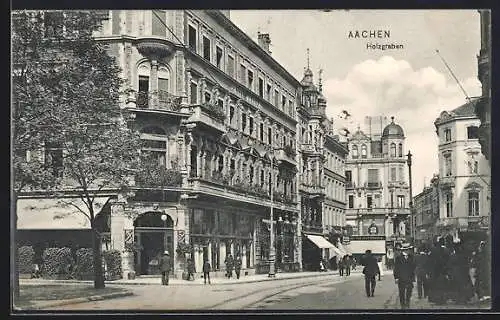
(409, 155)
(164, 219)
(272, 251)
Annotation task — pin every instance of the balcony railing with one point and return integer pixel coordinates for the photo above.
(317, 111)
(158, 177)
(214, 111)
(158, 100)
(286, 154)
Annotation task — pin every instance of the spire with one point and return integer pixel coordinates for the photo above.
(392, 119)
(320, 84)
(307, 58)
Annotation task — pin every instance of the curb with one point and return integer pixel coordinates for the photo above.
(187, 283)
(79, 300)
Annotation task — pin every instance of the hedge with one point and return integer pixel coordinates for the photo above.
(113, 261)
(84, 267)
(26, 259)
(57, 263)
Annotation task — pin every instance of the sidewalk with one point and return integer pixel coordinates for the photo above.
(196, 282)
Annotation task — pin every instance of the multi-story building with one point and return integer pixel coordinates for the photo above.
(321, 164)
(377, 191)
(218, 113)
(426, 212)
(464, 173)
(483, 107)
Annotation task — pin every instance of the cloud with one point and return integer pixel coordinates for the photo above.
(415, 98)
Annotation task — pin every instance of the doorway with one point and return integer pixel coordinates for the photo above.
(153, 236)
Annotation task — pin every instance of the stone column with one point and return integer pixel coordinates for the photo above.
(203, 164)
(198, 162)
(153, 81)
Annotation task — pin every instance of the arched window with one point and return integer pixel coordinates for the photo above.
(154, 144)
(363, 151)
(355, 151)
(400, 153)
(393, 150)
(143, 73)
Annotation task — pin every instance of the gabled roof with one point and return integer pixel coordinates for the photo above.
(359, 135)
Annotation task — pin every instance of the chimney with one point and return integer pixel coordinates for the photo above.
(264, 41)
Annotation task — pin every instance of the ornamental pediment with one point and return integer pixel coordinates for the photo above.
(473, 186)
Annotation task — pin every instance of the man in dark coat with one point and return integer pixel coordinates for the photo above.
(229, 266)
(370, 270)
(237, 266)
(206, 271)
(191, 269)
(341, 266)
(165, 267)
(347, 265)
(404, 274)
(421, 266)
(438, 282)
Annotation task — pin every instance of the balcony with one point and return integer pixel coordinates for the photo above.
(446, 182)
(287, 154)
(208, 114)
(156, 100)
(310, 148)
(313, 228)
(158, 177)
(154, 48)
(373, 185)
(317, 111)
(313, 189)
(465, 223)
(350, 185)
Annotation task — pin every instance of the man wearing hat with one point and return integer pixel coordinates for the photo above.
(404, 274)
(165, 267)
(370, 270)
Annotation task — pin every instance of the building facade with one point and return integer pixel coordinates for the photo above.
(377, 191)
(426, 212)
(217, 115)
(464, 174)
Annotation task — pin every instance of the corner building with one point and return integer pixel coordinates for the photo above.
(217, 112)
(377, 191)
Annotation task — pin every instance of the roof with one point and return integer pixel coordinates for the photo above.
(467, 109)
(393, 129)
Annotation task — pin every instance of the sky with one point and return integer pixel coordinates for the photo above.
(411, 83)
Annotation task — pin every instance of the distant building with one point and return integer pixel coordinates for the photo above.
(464, 173)
(426, 212)
(377, 190)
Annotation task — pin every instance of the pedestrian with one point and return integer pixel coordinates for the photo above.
(191, 269)
(404, 275)
(165, 267)
(229, 266)
(463, 289)
(438, 273)
(483, 272)
(206, 271)
(370, 271)
(347, 265)
(341, 266)
(421, 267)
(237, 266)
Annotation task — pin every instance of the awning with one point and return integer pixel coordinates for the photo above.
(320, 242)
(43, 214)
(343, 249)
(334, 251)
(360, 246)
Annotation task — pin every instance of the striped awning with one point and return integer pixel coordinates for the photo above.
(62, 213)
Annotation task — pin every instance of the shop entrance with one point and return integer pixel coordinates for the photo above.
(153, 236)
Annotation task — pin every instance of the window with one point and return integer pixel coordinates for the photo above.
(192, 38)
(230, 65)
(372, 175)
(220, 103)
(221, 163)
(53, 23)
(276, 98)
(449, 205)
(261, 87)
(218, 57)
(355, 151)
(243, 73)
(250, 125)
(208, 97)
(158, 18)
(262, 178)
(194, 161)
(393, 150)
(447, 134)
(363, 151)
(206, 48)
(400, 150)
(447, 165)
(250, 79)
(351, 201)
(261, 132)
(268, 92)
(472, 132)
(243, 122)
(348, 176)
(163, 84)
(251, 174)
(194, 93)
(143, 83)
(153, 145)
(473, 166)
(369, 202)
(393, 174)
(283, 103)
(54, 158)
(401, 174)
(473, 203)
(269, 136)
(290, 107)
(231, 114)
(401, 201)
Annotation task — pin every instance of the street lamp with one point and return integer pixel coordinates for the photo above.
(409, 155)
(164, 219)
(272, 251)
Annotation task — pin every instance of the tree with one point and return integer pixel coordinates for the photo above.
(70, 135)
